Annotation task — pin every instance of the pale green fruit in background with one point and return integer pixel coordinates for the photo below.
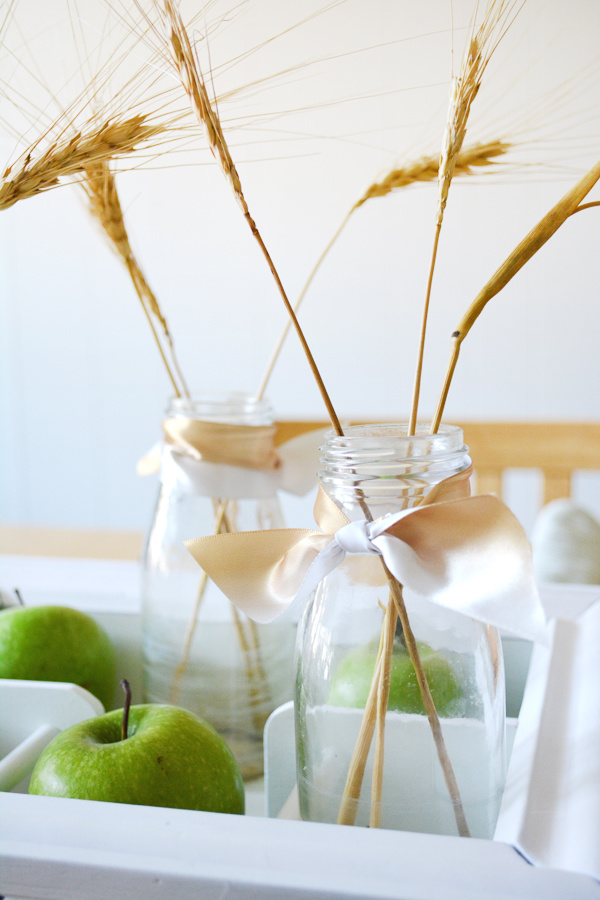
(57, 643)
(352, 681)
(171, 758)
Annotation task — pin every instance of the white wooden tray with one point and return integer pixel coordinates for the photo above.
(52, 848)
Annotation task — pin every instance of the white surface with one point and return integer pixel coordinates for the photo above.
(31, 714)
(88, 584)
(61, 849)
(551, 808)
(18, 764)
(280, 763)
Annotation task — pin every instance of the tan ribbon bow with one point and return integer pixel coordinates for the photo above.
(469, 554)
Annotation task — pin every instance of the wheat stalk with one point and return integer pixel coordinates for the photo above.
(464, 90)
(423, 170)
(104, 204)
(569, 204)
(465, 87)
(188, 68)
(36, 172)
(383, 695)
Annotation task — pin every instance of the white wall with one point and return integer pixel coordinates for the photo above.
(82, 391)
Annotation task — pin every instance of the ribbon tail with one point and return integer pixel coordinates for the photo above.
(261, 572)
(471, 556)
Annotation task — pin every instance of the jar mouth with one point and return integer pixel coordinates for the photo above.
(233, 407)
(386, 459)
(392, 440)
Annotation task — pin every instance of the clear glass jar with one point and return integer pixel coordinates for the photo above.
(199, 651)
(371, 471)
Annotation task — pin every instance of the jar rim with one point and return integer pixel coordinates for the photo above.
(385, 459)
(236, 407)
(393, 437)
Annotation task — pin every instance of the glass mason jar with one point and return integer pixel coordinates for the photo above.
(199, 651)
(379, 469)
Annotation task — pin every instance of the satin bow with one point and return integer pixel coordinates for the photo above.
(469, 554)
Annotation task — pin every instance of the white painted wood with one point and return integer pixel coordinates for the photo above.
(19, 763)
(54, 849)
(31, 713)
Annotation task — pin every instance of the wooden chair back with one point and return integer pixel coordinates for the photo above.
(557, 449)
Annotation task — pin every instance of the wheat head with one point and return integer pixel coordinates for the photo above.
(33, 174)
(100, 187)
(465, 88)
(104, 204)
(187, 66)
(426, 169)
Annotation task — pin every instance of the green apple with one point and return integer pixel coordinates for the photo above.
(57, 643)
(169, 757)
(352, 681)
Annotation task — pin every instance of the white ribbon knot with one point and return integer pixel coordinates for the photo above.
(369, 537)
(356, 537)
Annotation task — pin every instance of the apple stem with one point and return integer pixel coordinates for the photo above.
(19, 597)
(127, 688)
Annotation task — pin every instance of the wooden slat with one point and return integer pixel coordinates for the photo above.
(557, 449)
(557, 485)
(288, 429)
(70, 542)
(501, 445)
(488, 481)
(530, 445)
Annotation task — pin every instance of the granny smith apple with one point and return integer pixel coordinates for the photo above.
(57, 643)
(169, 757)
(352, 681)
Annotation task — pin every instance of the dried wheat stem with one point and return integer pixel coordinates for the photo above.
(356, 771)
(383, 695)
(32, 175)
(298, 303)
(412, 422)
(464, 90)
(156, 338)
(421, 171)
(373, 712)
(528, 247)
(441, 404)
(220, 511)
(430, 709)
(256, 678)
(189, 71)
(104, 204)
(142, 289)
(587, 206)
(246, 631)
(187, 642)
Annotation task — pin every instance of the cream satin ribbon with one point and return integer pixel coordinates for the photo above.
(220, 459)
(468, 554)
(246, 446)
